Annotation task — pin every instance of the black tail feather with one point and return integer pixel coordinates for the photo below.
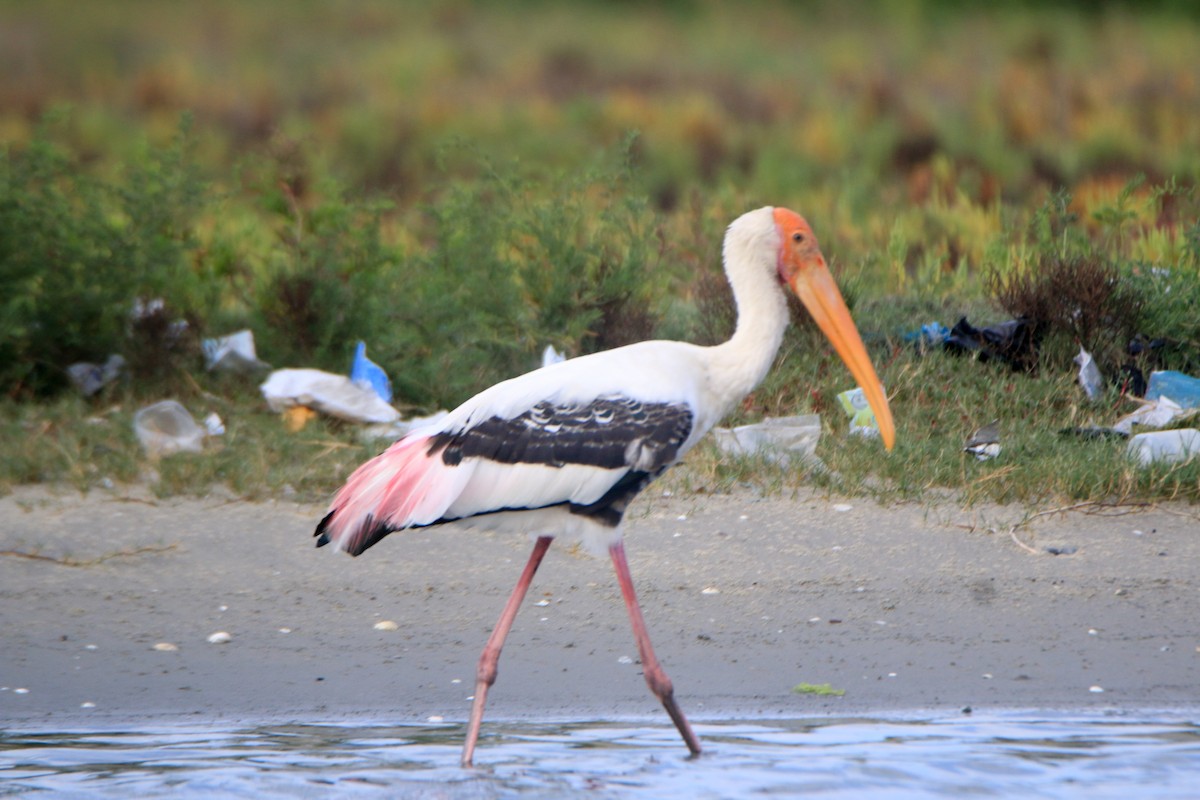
(368, 533)
(321, 526)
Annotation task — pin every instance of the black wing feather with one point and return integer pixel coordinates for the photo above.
(609, 432)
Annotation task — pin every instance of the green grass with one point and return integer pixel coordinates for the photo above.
(92, 446)
(462, 184)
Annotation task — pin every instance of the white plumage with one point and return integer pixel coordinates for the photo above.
(561, 451)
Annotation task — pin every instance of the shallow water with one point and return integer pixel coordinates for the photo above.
(1004, 755)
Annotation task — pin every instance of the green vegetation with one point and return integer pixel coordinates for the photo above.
(820, 689)
(461, 184)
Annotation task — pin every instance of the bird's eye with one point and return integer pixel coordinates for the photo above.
(797, 237)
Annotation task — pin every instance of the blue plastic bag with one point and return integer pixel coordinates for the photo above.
(366, 372)
(1183, 389)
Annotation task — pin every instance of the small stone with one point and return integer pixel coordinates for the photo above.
(710, 590)
(1096, 689)
(166, 647)
(435, 718)
(624, 660)
(842, 507)
(88, 704)
(386, 625)
(21, 690)
(220, 637)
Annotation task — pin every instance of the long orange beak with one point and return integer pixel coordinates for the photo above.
(814, 285)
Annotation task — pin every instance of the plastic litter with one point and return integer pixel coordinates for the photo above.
(1152, 414)
(214, 425)
(1172, 446)
(778, 438)
(1183, 389)
(296, 417)
(1095, 432)
(1140, 351)
(551, 356)
(234, 353)
(166, 428)
(335, 395)
(146, 310)
(1011, 342)
(862, 418)
(1089, 375)
(365, 372)
(930, 336)
(90, 378)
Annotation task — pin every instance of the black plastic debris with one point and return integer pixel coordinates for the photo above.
(1133, 382)
(1011, 342)
(1144, 356)
(1094, 432)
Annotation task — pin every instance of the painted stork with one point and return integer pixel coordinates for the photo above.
(561, 451)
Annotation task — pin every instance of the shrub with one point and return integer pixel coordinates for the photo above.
(517, 261)
(1070, 295)
(78, 252)
(325, 283)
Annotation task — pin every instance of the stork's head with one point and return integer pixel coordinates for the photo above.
(800, 266)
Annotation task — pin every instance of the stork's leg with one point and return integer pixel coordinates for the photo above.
(656, 679)
(486, 674)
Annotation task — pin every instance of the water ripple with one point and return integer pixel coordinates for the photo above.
(1096, 757)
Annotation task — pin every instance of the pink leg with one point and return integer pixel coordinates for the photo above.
(486, 674)
(656, 679)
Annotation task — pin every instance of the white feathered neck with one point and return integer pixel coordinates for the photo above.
(751, 255)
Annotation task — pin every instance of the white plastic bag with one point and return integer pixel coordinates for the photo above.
(779, 438)
(167, 427)
(234, 352)
(1182, 444)
(335, 395)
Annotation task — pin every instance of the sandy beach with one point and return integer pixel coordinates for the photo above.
(905, 608)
